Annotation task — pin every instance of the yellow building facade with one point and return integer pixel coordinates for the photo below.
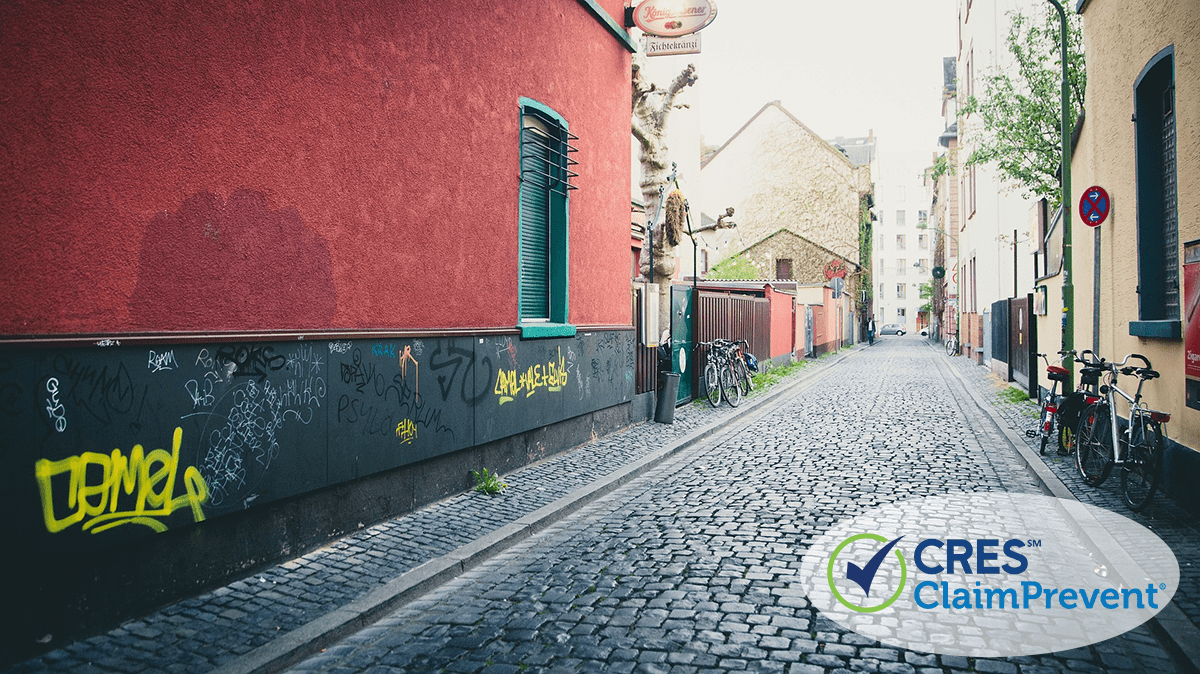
(1140, 142)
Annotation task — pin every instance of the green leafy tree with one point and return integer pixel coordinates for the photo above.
(736, 268)
(1020, 110)
(926, 294)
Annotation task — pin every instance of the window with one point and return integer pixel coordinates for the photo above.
(922, 265)
(703, 261)
(900, 193)
(899, 242)
(922, 218)
(900, 264)
(1157, 200)
(969, 190)
(901, 315)
(880, 291)
(901, 291)
(543, 221)
(880, 242)
(783, 268)
(900, 218)
(922, 242)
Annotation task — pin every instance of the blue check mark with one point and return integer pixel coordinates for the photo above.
(863, 575)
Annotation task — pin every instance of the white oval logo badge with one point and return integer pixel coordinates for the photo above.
(989, 574)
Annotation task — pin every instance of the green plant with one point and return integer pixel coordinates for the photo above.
(487, 483)
(1013, 394)
(736, 268)
(1019, 108)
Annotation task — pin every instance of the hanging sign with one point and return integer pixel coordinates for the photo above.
(1094, 206)
(671, 46)
(673, 18)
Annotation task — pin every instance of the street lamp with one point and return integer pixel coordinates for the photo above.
(1068, 290)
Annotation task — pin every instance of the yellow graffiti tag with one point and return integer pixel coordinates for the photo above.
(552, 376)
(92, 491)
(406, 430)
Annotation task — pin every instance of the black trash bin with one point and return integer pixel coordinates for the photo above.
(668, 389)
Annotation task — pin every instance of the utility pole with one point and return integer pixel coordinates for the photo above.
(1068, 288)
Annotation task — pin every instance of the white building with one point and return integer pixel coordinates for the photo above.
(902, 249)
(994, 249)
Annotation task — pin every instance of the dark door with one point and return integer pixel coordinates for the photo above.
(682, 325)
(1018, 340)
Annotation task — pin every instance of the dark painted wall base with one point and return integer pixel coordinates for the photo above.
(72, 597)
(1181, 473)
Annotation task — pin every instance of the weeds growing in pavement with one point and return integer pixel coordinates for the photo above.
(487, 483)
(1013, 395)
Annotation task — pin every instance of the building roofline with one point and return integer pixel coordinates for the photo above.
(802, 125)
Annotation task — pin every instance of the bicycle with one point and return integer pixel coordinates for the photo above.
(720, 377)
(741, 365)
(952, 345)
(1049, 404)
(1071, 405)
(1138, 450)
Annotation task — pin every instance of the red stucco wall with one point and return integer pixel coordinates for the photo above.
(782, 322)
(242, 166)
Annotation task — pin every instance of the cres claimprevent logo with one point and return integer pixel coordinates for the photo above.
(864, 576)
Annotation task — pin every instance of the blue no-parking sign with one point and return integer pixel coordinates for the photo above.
(1094, 206)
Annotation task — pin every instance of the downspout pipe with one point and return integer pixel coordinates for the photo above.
(1068, 288)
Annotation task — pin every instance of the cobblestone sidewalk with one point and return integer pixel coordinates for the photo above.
(202, 633)
(1172, 523)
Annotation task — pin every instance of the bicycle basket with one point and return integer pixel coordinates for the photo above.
(751, 362)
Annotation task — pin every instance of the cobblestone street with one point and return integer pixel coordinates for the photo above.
(693, 566)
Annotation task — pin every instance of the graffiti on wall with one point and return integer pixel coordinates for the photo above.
(253, 423)
(551, 376)
(104, 491)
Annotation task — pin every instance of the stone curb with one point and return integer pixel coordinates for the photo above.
(312, 637)
(1182, 635)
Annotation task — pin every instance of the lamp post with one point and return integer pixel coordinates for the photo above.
(1068, 288)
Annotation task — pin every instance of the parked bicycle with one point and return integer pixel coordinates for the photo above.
(1048, 406)
(1071, 405)
(1138, 449)
(952, 345)
(726, 374)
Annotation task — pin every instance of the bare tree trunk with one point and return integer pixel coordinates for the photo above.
(651, 108)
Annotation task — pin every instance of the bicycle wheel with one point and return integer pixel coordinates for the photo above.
(1143, 464)
(952, 347)
(729, 386)
(1093, 445)
(743, 373)
(712, 385)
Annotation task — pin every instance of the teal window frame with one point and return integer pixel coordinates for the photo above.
(545, 182)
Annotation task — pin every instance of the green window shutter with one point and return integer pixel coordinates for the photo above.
(544, 224)
(534, 296)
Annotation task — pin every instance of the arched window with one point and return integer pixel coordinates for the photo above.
(1157, 201)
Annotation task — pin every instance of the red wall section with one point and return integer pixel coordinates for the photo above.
(782, 322)
(216, 166)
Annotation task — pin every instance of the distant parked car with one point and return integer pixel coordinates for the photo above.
(892, 329)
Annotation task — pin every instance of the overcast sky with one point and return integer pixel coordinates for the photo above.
(840, 66)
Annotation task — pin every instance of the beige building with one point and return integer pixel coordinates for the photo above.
(1140, 142)
(781, 177)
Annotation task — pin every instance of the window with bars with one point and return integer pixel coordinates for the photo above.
(1157, 200)
(546, 173)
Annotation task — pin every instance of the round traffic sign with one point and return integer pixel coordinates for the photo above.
(1094, 206)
